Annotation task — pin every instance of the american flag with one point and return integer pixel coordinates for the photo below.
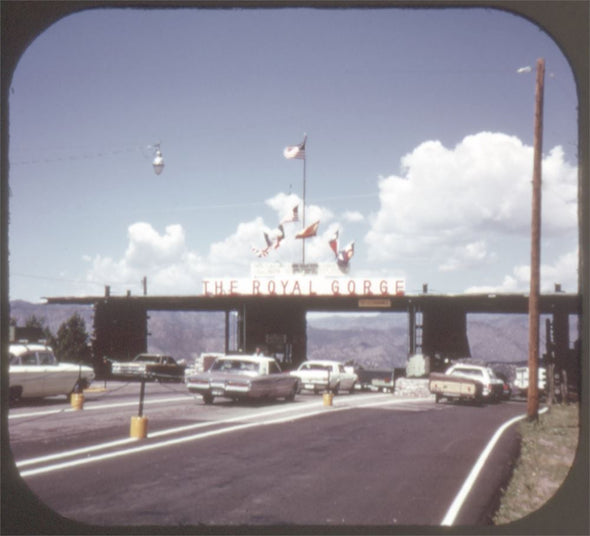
(295, 151)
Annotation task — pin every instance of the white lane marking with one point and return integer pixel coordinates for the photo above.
(74, 452)
(159, 433)
(169, 431)
(467, 486)
(170, 442)
(99, 406)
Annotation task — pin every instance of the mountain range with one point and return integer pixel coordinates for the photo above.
(375, 341)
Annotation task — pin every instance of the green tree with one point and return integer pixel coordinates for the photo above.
(35, 321)
(38, 323)
(71, 342)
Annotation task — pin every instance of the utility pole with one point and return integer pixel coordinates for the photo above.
(533, 392)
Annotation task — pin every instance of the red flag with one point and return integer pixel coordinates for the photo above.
(309, 231)
(344, 256)
(334, 243)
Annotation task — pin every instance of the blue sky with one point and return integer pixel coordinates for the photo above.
(419, 148)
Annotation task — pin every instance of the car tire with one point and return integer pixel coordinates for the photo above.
(14, 394)
(336, 389)
(208, 398)
(291, 396)
(352, 387)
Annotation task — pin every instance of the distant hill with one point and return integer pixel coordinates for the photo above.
(52, 316)
(375, 341)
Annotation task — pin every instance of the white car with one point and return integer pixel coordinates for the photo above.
(35, 372)
(325, 375)
(243, 377)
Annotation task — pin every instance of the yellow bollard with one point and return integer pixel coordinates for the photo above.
(77, 401)
(138, 428)
(328, 397)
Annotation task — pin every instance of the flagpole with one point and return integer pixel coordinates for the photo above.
(303, 215)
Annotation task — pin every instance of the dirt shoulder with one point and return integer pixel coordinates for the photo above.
(548, 449)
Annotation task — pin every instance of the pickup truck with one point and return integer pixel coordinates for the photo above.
(454, 387)
(325, 375)
(466, 382)
(150, 367)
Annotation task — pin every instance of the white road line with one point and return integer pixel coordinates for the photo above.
(456, 505)
(154, 446)
(93, 407)
(170, 442)
(159, 433)
(74, 452)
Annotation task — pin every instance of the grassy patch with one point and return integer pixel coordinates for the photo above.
(547, 453)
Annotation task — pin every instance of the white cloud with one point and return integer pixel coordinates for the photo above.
(172, 268)
(352, 216)
(453, 217)
(562, 271)
(470, 205)
(466, 256)
(163, 258)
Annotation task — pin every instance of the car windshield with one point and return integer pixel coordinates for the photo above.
(147, 358)
(234, 365)
(468, 371)
(316, 366)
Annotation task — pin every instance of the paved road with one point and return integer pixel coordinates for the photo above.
(369, 460)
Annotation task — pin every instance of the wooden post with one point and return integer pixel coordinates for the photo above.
(533, 392)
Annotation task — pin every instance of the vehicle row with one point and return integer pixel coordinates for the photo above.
(35, 372)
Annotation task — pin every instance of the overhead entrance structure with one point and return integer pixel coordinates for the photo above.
(277, 320)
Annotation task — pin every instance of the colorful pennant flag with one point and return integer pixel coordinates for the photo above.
(294, 216)
(309, 231)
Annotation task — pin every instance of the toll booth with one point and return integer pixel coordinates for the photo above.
(276, 329)
(438, 329)
(120, 332)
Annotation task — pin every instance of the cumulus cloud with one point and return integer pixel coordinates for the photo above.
(353, 216)
(466, 256)
(453, 215)
(462, 207)
(563, 271)
(163, 258)
(171, 267)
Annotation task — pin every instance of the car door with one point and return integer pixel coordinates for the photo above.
(57, 380)
(30, 375)
(278, 382)
(345, 378)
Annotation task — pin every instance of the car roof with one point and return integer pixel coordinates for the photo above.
(323, 362)
(22, 348)
(246, 357)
